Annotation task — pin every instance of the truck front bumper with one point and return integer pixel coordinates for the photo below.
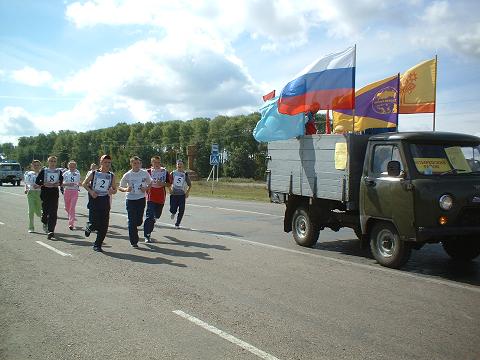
(439, 233)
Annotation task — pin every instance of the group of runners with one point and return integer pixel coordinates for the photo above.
(142, 188)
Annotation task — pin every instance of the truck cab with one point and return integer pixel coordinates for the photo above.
(419, 188)
(10, 172)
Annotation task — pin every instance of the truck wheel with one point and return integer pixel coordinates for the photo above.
(305, 231)
(462, 249)
(386, 246)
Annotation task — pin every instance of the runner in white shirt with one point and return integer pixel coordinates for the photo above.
(135, 183)
(71, 185)
(33, 194)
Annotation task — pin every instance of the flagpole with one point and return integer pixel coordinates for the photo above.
(354, 98)
(435, 93)
(327, 123)
(353, 120)
(398, 98)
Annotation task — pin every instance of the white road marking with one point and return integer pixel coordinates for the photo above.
(53, 249)
(1, 223)
(236, 210)
(341, 261)
(8, 192)
(260, 353)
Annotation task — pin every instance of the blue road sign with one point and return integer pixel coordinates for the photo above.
(214, 159)
(214, 149)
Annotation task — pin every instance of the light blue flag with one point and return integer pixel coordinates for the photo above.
(275, 126)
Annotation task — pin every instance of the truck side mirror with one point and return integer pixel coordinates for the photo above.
(393, 168)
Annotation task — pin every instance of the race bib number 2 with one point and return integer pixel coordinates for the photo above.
(101, 186)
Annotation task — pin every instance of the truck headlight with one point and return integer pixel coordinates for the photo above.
(445, 202)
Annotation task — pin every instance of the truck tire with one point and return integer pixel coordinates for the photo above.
(462, 249)
(305, 231)
(386, 246)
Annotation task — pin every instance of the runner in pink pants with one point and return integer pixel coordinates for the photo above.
(71, 186)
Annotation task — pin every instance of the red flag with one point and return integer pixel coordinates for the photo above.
(269, 96)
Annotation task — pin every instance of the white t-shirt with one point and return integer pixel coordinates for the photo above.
(137, 180)
(29, 179)
(71, 177)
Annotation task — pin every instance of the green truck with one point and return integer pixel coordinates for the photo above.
(397, 191)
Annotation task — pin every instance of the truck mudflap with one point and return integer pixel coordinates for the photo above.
(439, 233)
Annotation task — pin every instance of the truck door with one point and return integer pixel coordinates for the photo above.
(387, 197)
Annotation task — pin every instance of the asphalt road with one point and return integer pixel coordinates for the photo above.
(229, 285)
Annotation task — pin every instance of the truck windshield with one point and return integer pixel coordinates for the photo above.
(446, 159)
(10, 167)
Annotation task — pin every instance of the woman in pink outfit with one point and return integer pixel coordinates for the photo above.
(71, 185)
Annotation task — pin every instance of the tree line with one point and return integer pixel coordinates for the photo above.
(245, 157)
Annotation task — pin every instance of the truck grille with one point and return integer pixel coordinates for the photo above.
(469, 216)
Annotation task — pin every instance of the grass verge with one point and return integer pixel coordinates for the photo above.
(226, 189)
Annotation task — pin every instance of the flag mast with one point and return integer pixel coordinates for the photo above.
(435, 93)
(354, 99)
(398, 98)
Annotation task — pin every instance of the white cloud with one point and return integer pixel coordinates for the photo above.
(449, 25)
(164, 79)
(32, 77)
(15, 122)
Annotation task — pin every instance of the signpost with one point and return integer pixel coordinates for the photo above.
(214, 161)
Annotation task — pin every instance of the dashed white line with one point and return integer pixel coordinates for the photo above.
(8, 192)
(260, 353)
(235, 210)
(1, 223)
(53, 249)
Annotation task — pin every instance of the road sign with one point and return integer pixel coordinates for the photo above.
(214, 159)
(214, 149)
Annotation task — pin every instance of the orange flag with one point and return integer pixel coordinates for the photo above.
(417, 88)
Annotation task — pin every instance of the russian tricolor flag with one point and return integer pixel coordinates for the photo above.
(328, 83)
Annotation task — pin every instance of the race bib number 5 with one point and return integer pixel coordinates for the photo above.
(178, 182)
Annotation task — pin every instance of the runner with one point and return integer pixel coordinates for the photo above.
(71, 185)
(100, 184)
(93, 167)
(33, 194)
(155, 196)
(49, 178)
(135, 183)
(179, 191)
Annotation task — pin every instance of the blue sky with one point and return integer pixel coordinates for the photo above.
(84, 65)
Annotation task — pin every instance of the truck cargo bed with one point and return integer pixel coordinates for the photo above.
(306, 166)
